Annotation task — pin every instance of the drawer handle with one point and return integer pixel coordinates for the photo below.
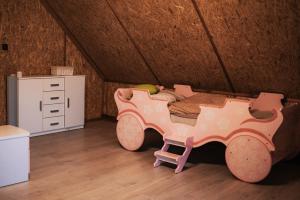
(68, 103)
(54, 85)
(54, 98)
(54, 111)
(54, 124)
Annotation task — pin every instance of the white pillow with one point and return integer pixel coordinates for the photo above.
(164, 96)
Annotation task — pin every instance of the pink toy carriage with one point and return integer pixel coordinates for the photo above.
(252, 129)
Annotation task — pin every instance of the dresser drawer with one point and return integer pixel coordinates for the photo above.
(53, 84)
(53, 97)
(53, 123)
(53, 110)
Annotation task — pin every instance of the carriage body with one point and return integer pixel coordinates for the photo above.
(249, 140)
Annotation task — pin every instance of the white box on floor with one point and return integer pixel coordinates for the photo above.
(14, 155)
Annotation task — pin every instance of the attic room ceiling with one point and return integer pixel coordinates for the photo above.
(236, 46)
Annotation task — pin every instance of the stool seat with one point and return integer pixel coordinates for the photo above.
(14, 155)
(9, 132)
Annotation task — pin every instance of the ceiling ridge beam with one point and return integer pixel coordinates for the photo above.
(73, 39)
(133, 42)
(227, 77)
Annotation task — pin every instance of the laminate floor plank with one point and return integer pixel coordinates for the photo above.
(89, 164)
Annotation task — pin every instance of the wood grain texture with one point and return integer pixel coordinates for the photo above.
(258, 42)
(72, 37)
(3, 68)
(287, 135)
(90, 164)
(101, 35)
(94, 85)
(3, 61)
(34, 38)
(109, 104)
(130, 132)
(173, 41)
(248, 159)
(36, 42)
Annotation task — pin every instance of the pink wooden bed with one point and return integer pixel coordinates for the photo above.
(252, 147)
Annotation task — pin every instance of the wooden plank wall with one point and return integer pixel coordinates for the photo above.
(234, 46)
(36, 42)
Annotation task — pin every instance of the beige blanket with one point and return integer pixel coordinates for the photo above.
(189, 107)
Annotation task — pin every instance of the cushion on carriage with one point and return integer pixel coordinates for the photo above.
(151, 88)
(164, 96)
(189, 107)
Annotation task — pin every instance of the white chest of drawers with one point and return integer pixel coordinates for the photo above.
(46, 104)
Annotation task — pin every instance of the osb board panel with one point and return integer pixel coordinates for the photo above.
(3, 65)
(94, 84)
(258, 42)
(109, 105)
(100, 34)
(173, 41)
(287, 135)
(2, 88)
(35, 42)
(34, 38)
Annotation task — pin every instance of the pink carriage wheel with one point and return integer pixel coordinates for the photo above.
(130, 132)
(248, 159)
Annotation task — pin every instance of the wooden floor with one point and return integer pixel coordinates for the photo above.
(89, 164)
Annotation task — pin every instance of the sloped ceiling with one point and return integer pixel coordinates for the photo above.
(237, 46)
